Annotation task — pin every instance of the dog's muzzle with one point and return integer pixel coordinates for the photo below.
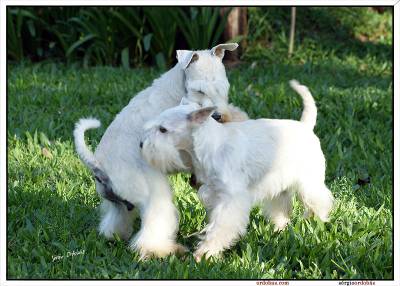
(217, 116)
(141, 144)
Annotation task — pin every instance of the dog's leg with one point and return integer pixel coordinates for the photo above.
(228, 221)
(116, 219)
(317, 199)
(159, 225)
(279, 209)
(207, 196)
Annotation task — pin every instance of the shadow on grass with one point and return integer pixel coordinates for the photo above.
(322, 73)
(336, 31)
(52, 220)
(44, 229)
(354, 31)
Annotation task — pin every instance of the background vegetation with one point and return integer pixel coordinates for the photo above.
(343, 54)
(110, 36)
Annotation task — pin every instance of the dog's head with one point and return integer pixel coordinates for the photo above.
(167, 140)
(205, 78)
(204, 64)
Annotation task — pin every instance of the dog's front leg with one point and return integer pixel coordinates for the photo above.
(207, 196)
(228, 222)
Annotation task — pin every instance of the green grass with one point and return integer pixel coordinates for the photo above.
(52, 203)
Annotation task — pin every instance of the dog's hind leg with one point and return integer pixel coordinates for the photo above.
(279, 209)
(159, 222)
(116, 219)
(317, 199)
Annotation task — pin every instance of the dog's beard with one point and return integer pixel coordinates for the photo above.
(164, 157)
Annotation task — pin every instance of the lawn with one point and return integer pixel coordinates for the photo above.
(53, 206)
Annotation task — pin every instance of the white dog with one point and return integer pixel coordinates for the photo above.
(123, 178)
(241, 163)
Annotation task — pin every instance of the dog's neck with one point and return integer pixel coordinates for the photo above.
(207, 138)
(188, 157)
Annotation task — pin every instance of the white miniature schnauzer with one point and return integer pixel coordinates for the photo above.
(123, 178)
(242, 163)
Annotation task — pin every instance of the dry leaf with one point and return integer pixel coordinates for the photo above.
(46, 153)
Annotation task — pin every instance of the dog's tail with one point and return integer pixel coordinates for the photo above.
(90, 160)
(82, 149)
(309, 115)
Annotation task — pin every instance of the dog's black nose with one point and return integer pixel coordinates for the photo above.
(217, 116)
(141, 144)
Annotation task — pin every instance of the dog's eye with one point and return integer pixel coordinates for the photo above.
(163, 129)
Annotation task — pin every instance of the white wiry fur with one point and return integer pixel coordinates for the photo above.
(84, 153)
(132, 178)
(242, 163)
(309, 115)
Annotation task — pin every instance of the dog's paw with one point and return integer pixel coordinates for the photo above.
(180, 249)
(308, 214)
(198, 254)
(206, 252)
(281, 224)
(159, 251)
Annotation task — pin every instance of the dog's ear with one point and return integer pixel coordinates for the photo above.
(219, 50)
(201, 115)
(185, 58)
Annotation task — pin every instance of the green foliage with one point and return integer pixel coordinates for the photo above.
(339, 31)
(109, 35)
(18, 20)
(106, 34)
(131, 36)
(39, 33)
(201, 26)
(162, 34)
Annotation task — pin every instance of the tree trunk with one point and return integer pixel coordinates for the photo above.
(236, 25)
(292, 30)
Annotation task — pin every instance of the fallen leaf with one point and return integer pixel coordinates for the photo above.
(47, 153)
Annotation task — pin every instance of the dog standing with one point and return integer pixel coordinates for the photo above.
(242, 163)
(122, 176)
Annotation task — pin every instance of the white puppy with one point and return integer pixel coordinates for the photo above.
(242, 163)
(123, 178)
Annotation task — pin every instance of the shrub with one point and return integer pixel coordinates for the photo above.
(109, 35)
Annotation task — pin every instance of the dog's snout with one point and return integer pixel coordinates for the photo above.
(141, 144)
(217, 116)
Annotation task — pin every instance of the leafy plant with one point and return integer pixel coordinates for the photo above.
(59, 32)
(107, 36)
(161, 33)
(201, 26)
(39, 33)
(94, 28)
(133, 24)
(18, 19)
